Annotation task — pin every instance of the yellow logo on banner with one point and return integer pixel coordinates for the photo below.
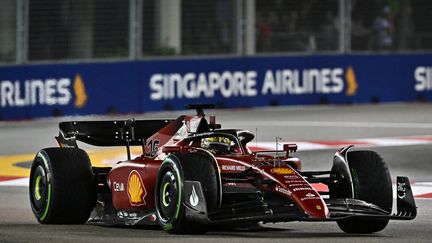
(351, 81)
(80, 92)
(136, 190)
(282, 171)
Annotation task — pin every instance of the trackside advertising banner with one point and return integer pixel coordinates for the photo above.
(141, 86)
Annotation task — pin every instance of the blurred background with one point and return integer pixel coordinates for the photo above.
(84, 30)
(45, 32)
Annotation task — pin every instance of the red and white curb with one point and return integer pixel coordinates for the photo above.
(420, 189)
(14, 181)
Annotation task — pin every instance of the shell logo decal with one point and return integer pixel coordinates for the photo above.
(282, 171)
(135, 189)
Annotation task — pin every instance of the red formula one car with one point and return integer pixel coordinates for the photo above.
(192, 175)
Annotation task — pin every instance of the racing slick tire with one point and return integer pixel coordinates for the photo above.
(372, 183)
(169, 191)
(62, 190)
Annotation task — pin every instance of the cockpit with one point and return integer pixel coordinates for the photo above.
(222, 142)
(219, 145)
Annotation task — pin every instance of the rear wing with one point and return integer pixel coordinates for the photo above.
(109, 133)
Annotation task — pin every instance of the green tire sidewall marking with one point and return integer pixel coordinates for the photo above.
(37, 188)
(45, 158)
(167, 227)
(163, 194)
(180, 191)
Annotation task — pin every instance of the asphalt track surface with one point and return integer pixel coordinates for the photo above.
(328, 123)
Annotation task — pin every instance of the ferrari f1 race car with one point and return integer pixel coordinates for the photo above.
(193, 175)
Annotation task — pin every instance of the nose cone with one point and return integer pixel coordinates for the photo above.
(292, 185)
(312, 204)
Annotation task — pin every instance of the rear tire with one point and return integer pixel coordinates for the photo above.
(372, 183)
(169, 191)
(62, 190)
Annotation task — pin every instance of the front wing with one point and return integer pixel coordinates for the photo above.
(262, 210)
(339, 208)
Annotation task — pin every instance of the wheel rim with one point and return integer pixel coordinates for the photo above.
(39, 188)
(168, 198)
(166, 194)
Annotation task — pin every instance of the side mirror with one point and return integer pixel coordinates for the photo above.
(290, 147)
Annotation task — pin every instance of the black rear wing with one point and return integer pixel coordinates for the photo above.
(109, 133)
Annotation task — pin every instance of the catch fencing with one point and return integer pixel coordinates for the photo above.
(40, 31)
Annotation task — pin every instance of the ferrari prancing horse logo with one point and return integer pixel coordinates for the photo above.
(136, 190)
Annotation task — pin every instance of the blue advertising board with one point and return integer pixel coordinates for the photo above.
(141, 86)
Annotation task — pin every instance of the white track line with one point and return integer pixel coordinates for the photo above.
(408, 125)
(364, 143)
(16, 182)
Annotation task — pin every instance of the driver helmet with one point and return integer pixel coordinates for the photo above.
(217, 145)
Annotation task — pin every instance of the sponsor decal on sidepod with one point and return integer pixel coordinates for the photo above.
(136, 190)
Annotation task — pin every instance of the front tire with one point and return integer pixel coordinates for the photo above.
(372, 183)
(62, 190)
(169, 191)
